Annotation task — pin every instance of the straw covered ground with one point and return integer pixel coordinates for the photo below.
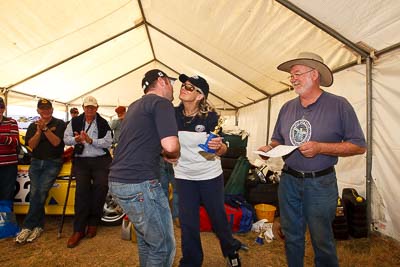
(108, 249)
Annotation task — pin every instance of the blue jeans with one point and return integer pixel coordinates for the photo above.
(147, 208)
(7, 181)
(167, 177)
(42, 174)
(312, 202)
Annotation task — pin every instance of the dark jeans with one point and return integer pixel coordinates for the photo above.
(308, 202)
(42, 174)
(210, 193)
(91, 190)
(167, 177)
(7, 181)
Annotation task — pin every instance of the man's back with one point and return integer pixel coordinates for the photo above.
(146, 122)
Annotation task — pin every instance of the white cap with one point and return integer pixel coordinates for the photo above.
(89, 101)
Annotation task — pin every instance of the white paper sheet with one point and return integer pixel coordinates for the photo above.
(277, 151)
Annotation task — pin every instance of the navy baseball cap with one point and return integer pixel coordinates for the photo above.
(197, 81)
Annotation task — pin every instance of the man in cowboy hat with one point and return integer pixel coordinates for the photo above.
(324, 126)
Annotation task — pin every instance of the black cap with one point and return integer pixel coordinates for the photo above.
(153, 75)
(44, 103)
(197, 81)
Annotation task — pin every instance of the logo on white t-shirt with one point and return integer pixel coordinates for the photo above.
(199, 128)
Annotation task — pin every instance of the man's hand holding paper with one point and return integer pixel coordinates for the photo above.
(266, 152)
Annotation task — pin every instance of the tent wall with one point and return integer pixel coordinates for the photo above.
(386, 144)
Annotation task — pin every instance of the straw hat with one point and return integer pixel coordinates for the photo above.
(313, 61)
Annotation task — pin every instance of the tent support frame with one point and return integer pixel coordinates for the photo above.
(368, 70)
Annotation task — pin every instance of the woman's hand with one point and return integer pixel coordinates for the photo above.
(215, 143)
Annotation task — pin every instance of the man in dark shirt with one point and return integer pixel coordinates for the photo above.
(148, 130)
(45, 138)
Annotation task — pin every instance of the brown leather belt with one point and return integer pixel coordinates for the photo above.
(297, 174)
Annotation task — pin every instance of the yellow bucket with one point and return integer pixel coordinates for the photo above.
(265, 211)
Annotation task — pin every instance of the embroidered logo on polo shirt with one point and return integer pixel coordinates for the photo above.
(300, 132)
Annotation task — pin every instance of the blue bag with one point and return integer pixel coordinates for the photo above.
(248, 212)
(247, 220)
(8, 223)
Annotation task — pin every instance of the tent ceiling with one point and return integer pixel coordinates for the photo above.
(64, 50)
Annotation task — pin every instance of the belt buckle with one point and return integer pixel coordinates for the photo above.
(303, 175)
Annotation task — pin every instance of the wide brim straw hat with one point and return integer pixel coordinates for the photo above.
(311, 60)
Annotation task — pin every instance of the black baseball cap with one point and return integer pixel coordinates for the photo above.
(153, 75)
(44, 103)
(197, 81)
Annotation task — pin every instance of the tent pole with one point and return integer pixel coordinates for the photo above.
(74, 56)
(323, 27)
(387, 50)
(269, 119)
(210, 60)
(369, 139)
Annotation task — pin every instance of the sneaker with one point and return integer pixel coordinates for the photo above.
(233, 260)
(23, 236)
(37, 231)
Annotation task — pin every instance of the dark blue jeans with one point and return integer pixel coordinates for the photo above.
(7, 181)
(210, 193)
(42, 174)
(167, 177)
(308, 202)
(147, 208)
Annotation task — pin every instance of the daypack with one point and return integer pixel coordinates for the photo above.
(248, 212)
(8, 222)
(233, 214)
(247, 220)
(205, 223)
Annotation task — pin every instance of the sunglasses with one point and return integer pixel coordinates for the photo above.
(190, 88)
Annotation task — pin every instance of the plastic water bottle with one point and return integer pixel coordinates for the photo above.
(126, 229)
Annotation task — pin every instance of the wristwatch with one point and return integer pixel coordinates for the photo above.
(45, 129)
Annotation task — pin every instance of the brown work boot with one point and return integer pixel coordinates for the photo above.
(91, 231)
(73, 241)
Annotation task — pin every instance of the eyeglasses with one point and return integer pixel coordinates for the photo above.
(297, 75)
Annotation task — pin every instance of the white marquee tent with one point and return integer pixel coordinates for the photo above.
(66, 49)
